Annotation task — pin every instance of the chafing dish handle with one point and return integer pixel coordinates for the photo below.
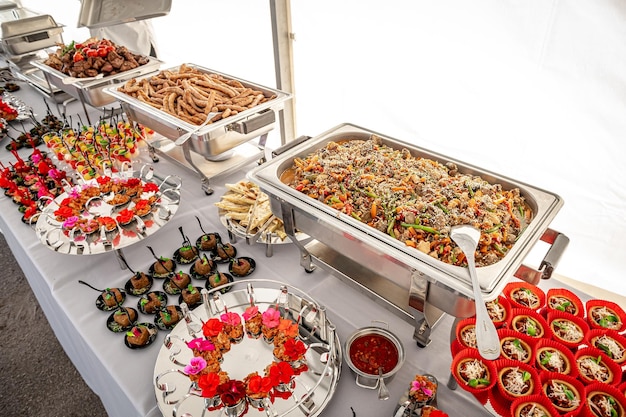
(282, 149)
(558, 242)
(257, 122)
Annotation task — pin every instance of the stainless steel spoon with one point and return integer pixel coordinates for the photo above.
(383, 392)
(467, 237)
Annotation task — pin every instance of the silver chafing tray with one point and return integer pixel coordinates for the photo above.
(215, 138)
(91, 90)
(99, 13)
(408, 282)
(23, 31)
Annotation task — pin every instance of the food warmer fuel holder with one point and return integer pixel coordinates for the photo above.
(411, 284)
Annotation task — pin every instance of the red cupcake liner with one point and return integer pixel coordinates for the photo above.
(541, 325)
(499, 403)
(619, 312)
(597, 387)
(461, 326)
(482, 397)
(568, 357)
(576, 302)
(469, 355)
(537, 400)
(456, 347)
(504, 304)
(503, 365)
(580, 323)
(574, 385)
(622, 388)
(513, 286)
(525, 340)
(593, 334)
(614, 369)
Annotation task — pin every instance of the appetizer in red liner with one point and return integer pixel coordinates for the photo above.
(564, 300)
(472, 372)
(594, 366)
(602, 314)
(499, 310)
(610, 342)
(533, 406)
(528, 322)
(515, 345)
(525, 295)
(604, 400)
(567, 329)
(565, 392)
(553, 356)
(466, 332)
(516, 379)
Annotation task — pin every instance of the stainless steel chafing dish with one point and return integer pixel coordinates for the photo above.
(23, 31)
(91, 90)
(410, 283)
(95, 14)
(213, 139)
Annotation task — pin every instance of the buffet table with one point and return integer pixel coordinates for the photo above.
(123, 378)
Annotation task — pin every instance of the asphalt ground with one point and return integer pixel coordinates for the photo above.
(36, 376)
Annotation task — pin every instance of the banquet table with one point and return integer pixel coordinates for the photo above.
(123, 378)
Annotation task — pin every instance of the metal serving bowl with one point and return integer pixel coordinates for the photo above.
(367, 380)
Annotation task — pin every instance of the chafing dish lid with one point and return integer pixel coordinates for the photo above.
(6, 4)
(23, 22)
(99, 13)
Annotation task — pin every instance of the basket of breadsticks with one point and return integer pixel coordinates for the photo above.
(245, 210)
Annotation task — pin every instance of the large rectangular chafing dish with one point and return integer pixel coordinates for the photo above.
(91, 90)
(24, 31)
(407, 281)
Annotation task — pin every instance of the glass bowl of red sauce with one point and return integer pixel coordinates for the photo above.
(372, 348)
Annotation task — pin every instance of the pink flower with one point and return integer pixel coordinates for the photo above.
(201, 344)
(271, 318)
(70, 222)
(250, 312)
(420, 386)
(232, 319)
(196, 364)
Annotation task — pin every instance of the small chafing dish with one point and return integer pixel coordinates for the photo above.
(91, 90)
(23, 31)
(411, 284)
(211, 140)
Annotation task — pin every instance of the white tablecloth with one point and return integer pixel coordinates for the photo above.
(122, 377)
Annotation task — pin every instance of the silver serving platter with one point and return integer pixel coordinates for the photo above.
(398, 267)
(313, 388)
(91, 90)
(52, 235)
(215, 138)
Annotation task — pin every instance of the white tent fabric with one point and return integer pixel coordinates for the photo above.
(534, 90)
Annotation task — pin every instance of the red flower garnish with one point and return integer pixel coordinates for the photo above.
(150, 187)
(294, 349)
(208, 383)
(280, 373)
(212, 327)
(64, 212)
(125, 216)
(259, 385)
(231, 392)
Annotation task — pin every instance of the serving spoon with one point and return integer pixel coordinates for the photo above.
(467, 237)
